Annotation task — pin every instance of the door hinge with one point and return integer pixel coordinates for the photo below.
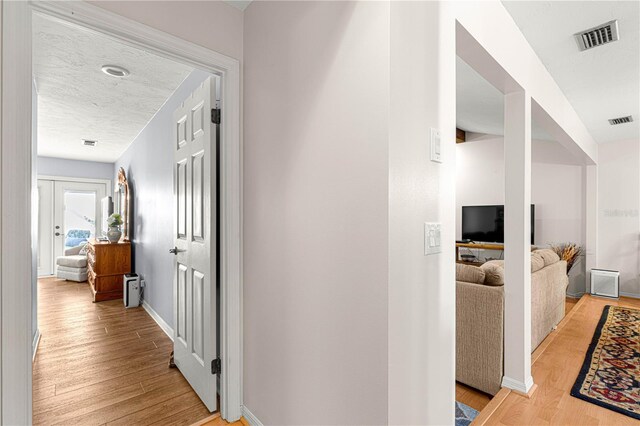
(215, 115)
(216, 366)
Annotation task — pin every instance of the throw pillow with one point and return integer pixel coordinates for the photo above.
(537, 262)
(493, 272)
(84, 249)
(549, 256)
(469, 273)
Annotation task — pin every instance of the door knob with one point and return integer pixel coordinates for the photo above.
(57, 227)
(57, 234)
(174, 250)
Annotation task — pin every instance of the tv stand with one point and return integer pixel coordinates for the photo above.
(484, 246)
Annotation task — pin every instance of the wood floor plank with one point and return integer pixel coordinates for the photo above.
(555, 370)
(160, 412)
(130, 405)
(186, 417)
(100, 363)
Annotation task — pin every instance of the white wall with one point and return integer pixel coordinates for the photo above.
(556, 191)
(50, 166)
(618, 212)
(211, 24)
(421, 288)
(34, 211)
(316, 99)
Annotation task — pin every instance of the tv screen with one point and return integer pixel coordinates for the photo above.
(486, 223)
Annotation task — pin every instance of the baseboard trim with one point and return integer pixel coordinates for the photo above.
(158, 319)
(518, 386)
(35, 345)
(251, 419)
(491, 407)
(631, 295)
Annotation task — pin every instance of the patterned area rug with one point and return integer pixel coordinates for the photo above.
(610, 375)
(464, 414)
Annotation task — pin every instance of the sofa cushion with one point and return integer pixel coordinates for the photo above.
(71, 269)
(76, 261)
(469, 273)
(537, 262)
(549, 256)
(493, 272)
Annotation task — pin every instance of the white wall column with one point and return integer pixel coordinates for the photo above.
(421, 288)
(590, 181)
(517, 255)
(15, 207)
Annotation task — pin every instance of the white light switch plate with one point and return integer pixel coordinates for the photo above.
(432, 238)
(436, 148)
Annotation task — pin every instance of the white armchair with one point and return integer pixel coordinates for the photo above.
(73, 265)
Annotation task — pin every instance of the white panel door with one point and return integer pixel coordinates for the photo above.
(194, 295)
(76, 207)
(45, 227)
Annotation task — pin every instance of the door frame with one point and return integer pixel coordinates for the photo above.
(15, 191)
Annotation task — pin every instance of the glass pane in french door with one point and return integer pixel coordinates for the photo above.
(79, 217)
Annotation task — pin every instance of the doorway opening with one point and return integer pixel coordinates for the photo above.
(93, 20)
(69, 214)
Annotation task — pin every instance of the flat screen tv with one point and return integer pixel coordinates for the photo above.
(486, 223)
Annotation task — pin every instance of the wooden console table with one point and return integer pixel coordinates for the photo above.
(487, 246)
(106, 264)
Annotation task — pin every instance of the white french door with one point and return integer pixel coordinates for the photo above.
(195, 236)
(45, 227)
(76, 210)
(69, 213)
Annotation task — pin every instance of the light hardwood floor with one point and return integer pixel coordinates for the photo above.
(555, 369)
(99, 363)
(479, 400)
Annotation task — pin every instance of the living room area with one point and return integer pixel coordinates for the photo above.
(583, 228)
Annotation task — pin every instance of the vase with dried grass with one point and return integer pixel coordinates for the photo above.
(569, 252)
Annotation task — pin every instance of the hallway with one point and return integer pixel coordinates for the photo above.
(99, 363)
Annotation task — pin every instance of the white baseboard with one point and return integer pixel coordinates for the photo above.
(249, 417)
(516, 385)
(35, 345)
(158, 319)
(632, 295)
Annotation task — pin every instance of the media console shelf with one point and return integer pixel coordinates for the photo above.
(483, 246)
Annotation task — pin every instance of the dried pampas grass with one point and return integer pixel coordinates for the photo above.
(568, 252)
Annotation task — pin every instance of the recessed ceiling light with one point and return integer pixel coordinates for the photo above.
(88, 142)
(115, 71)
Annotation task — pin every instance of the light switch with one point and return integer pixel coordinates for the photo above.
(436, 149)
(432, 238)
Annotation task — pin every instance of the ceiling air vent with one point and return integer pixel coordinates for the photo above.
(620, 120)
(596, 36)
(87, 142)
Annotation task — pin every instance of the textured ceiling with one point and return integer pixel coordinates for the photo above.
(77, 101)
(600, 83)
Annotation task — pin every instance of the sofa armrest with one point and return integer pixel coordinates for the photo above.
(479, 336)
(73, 251)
